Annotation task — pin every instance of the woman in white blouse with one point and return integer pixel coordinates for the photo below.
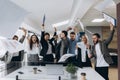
(33, 50)
(84, 52)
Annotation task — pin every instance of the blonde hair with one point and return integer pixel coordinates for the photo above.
(86, 38)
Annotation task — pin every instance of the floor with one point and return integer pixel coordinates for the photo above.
(113, 73)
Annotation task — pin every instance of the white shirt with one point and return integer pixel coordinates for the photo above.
(83, 50)
(100, 59)
(49, 51)
(35, 49)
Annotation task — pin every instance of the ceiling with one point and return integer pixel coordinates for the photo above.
(61, 10)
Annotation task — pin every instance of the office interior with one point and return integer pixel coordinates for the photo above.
(84, 15)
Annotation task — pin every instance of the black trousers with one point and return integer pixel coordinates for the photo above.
(103, 71)
(48, 58)
(86, 64)
(33, 60)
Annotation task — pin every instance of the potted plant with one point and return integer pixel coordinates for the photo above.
(72, 69)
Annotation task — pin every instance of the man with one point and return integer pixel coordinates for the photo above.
(101, 53)
(72, 42)
(18, 56)
(15, 37)
(63, 45)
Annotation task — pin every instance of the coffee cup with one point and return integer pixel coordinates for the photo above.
(35, 70)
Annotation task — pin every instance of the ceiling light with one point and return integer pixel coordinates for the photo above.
(98, 20)
(60, 23)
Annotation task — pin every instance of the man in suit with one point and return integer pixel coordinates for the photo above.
(63, 45)
(101, 53)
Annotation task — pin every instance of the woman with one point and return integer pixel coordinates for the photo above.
(48, 49)
(33, 50)
(84, 52)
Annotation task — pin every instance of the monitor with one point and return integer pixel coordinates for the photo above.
(56, 69)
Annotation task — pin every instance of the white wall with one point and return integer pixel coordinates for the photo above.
(11, 16)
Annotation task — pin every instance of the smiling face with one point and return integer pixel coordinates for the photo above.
(34, 39)
(95, 39)
(84, 39)
(46, 37)
(72, 36)
(15, 38)
(62, 35)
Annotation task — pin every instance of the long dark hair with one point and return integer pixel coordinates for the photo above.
(31, 42)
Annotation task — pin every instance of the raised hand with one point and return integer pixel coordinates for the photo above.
(69, 28)
(75, 29)
(24, 30)
(43, 26)
(55, 29)
(111, 26)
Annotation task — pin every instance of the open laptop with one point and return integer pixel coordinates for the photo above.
(54, 69)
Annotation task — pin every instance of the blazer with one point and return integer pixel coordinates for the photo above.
(104, 48)
(44, 44)
(65, 49)
(79, 59)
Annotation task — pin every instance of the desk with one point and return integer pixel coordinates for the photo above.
(29, 75)
(114, 58)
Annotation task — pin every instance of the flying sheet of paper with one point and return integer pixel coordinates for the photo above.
(109, 19)
(10, 46)
(65, 57)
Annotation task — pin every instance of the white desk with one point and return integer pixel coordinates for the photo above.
(29, 75)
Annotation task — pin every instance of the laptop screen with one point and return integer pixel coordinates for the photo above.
(56, 69)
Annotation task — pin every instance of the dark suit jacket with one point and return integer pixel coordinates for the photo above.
(104, 48)
(65, 49)
(79, 60)
(44, 44)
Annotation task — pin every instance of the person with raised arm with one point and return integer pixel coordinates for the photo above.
(101, 53)
(48, 49)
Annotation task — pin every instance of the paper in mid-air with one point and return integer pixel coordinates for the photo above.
(108, 18)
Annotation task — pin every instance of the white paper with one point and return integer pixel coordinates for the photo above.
(82, 46)
(109, 19)
(12, 46)
(65, 57)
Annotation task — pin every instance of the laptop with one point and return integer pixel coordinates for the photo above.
(54, 69)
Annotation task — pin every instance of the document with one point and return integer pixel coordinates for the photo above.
(65, 57)
(109, 18)
(10, 46)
